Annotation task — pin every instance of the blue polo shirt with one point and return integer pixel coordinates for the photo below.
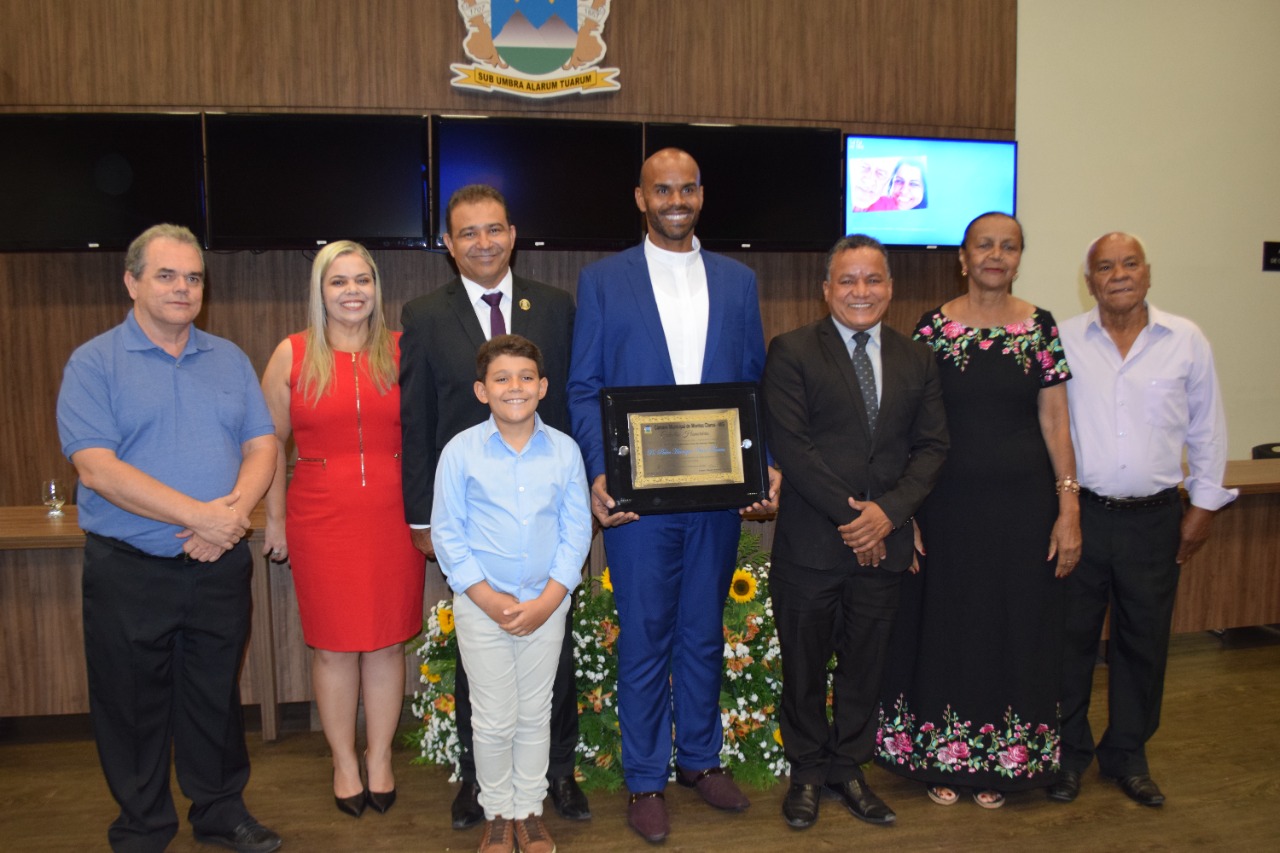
(181, 420)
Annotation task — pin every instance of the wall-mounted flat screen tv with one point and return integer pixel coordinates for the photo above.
(96, 181)
(300, 181)
(569, 184)
(765, 188)
(923, 192)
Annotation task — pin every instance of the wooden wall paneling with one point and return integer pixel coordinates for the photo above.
(52, 303)
(293, 658)
(791, 287)
(860, 65)
(43, 659)
(938, 63)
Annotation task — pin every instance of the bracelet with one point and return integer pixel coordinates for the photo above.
(1068, 484)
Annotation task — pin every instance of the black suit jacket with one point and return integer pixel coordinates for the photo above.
(819, 436)
(438, 373)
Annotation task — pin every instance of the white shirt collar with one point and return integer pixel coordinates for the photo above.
(846, 334)
(475, 291)
(656, 254)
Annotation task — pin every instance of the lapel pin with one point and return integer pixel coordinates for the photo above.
(524, 305)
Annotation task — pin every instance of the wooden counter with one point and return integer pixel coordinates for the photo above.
(1235, 579)
(42, 663)
(1233, 582)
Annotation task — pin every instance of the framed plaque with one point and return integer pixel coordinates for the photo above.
(683, 448)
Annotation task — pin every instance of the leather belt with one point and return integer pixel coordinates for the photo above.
(1166, 497)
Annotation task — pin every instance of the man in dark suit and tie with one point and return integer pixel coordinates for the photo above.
(442, 332)
(666, 313)
(855, 422)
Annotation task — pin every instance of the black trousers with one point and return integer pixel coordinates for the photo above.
(564, 714)
(848, 613)
(1130, 563)
(163, 643)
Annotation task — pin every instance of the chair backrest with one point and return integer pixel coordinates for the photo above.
(1267, 451)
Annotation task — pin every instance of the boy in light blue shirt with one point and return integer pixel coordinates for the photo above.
(512, 526)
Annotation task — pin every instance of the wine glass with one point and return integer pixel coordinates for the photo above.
(53, 495)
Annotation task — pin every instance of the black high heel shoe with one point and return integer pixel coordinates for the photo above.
(380, 801)
(353, 805)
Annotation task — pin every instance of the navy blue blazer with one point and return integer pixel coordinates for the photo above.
(618, 338)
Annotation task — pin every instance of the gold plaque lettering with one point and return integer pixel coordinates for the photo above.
(696, 447)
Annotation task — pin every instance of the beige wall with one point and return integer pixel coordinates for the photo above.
(1160, 117)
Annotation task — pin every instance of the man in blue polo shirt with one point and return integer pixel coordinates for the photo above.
(171, 438)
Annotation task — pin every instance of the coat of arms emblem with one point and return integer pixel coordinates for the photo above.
(534, 48)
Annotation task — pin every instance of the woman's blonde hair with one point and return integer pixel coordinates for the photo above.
(315, 377)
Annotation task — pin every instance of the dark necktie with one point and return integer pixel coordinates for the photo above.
(498, 326)
(866, 377)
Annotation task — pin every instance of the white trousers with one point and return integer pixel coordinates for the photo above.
(511, 681)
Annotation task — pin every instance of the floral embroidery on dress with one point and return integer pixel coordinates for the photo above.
(1011, 748)
(1027, 341)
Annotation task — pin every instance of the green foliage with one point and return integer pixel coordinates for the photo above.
(749, 694)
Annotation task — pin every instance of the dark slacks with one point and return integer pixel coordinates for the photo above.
(843, 612)
(1129, 561)
(564, 714)
(163, 643)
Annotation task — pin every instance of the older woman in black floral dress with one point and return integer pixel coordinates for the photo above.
(970, 697)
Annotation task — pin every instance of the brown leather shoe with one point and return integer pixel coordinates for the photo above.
(647, 815)
(716, 786)
(532, 836)
(499, 837)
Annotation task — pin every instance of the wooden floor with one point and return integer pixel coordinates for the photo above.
(1217, 757)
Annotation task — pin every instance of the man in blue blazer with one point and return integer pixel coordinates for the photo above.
(666, 313)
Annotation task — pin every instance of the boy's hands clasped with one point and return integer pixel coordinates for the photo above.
(517, 618)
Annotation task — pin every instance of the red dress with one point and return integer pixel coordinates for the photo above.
(357, 575)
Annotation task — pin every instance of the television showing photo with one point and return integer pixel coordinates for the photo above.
(766, 188)
(569, 184)
(92, 182)
(300, 181)
(923, 192)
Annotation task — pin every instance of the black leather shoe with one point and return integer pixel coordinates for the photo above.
(380, 801)
(567, 797)
(466, 811)
(1142, 789)
(859, 799)
(353, 806)
(800, 807)
(248, 837)
(1066, 789)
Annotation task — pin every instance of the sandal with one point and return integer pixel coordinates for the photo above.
(942, 795)
(988, 799)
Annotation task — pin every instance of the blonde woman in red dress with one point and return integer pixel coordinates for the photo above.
(357, 575)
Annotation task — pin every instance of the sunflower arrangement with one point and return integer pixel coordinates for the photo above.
(749, 694)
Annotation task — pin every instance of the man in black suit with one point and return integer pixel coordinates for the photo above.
(856, 424)
(442, 332)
